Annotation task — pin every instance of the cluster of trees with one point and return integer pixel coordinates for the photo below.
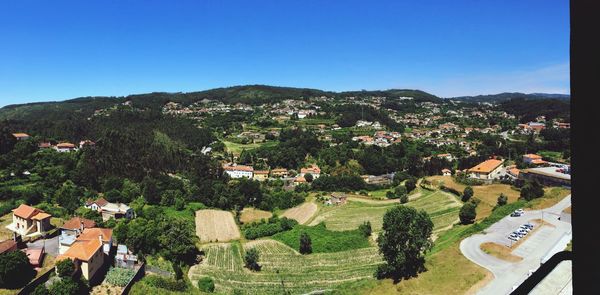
(267, 227)
(532, 190)
(351, 113)
(156, 233)
(15, 270)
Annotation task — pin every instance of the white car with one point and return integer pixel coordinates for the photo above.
(525, 228)
(520, 211)
(514, 237)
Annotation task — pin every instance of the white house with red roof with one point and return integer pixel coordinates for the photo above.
(313, 169)
(238, 171)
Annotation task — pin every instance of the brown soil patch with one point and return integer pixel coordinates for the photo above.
(216, 226)
(499, 251)
(301, 213)
(567, 210)
(252, 214)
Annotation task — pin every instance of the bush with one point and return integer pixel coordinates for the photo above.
(65, 286)
(251, 259)
(119, 276)
(65, 268)
(502, 200)
(264, 228)
(206, 284)
(467, 213)
(365, 228)
(165, 283)
(467, 194)
(391, 195)
(410, 184)
(404, 199)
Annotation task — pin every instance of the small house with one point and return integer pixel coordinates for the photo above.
(446, 172)
(29, 221)
(338, 199)
(260, 175)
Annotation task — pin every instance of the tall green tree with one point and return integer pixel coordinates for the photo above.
(305, 243)
(405, 238)
(467, 193)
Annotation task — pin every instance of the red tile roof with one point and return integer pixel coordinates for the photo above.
(94, 233)
(25, 211)
(81, 250)
(486, 166)
(75, 223)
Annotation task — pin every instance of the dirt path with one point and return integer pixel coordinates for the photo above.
(372, 201)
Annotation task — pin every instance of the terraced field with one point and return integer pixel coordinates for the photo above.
(442, 208)
(283, 268)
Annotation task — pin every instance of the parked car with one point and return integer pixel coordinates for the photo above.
(515, 214)
(514, 238)
(520, 211)
(529, 225)
(525, 228)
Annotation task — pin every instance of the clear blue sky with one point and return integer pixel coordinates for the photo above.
(54, 50)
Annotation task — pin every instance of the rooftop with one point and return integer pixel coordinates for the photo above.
(548, 171)
(486, 166)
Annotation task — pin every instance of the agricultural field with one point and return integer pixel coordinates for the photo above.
(215, 226)
(252, 214)
(442, 207)
(236, 148)
(324, 240)
(301, 213)
(488, 194)
(283, 269)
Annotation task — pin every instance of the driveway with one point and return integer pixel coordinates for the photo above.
(51, 245)
(536, 248)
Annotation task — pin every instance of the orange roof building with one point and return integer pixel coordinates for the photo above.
(89, 250)
(29, 221)
(312, 169)
(21, 136)
(486, 170)
(533, 159)
(78, 223)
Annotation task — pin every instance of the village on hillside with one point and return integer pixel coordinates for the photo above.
(139, 207)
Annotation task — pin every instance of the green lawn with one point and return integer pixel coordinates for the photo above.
(237, 148)
(323, 240)
(442, 208)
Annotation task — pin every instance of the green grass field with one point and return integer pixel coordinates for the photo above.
(236, 148)
(324, 240)
(442, 208)
(283, 269)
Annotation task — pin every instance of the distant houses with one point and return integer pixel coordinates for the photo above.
(110, 210)
(21, 136)
(64, 147)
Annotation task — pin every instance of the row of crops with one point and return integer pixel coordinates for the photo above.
(283, 268)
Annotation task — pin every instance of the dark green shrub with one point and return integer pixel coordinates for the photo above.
(206, 284)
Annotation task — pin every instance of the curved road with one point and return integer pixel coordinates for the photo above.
(538, 245)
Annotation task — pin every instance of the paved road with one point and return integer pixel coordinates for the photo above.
(533, 250)
(51, 245)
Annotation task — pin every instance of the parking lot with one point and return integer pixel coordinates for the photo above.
(537, 245)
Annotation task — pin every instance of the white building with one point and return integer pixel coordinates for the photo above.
(238, 171)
